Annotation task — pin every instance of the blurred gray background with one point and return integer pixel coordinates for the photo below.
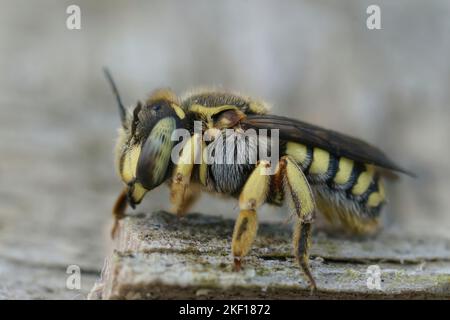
(312, 60)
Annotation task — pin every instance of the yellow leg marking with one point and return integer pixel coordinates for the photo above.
(182, 173)
(300, 192)
(298, 152)
(253, 195)
(243, 235)
(364, 180)
(344, 171)
(256, 188)
(301, 198)
(190, 197)
(321, 161)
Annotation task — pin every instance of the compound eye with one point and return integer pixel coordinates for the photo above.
(154, 158)
(156, 107)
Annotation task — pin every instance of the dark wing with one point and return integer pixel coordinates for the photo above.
(336, 143)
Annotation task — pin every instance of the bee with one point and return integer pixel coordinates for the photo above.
(316, 169)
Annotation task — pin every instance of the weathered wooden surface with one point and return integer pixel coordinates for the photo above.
(159, 256)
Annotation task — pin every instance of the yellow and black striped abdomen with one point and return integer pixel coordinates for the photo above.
(346, 189)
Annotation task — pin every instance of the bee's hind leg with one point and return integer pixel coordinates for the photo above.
(252, 196)
(301, 200)
(302, 243)
(119, 211)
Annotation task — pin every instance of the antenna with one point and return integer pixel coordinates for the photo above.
(109, 78)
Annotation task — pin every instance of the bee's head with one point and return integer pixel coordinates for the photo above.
(144, 145)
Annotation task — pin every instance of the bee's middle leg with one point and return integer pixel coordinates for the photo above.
(252, 196)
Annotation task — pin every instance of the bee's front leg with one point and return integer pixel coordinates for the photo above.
(181, 196)
(252, 196)
(119, 210)
(301, 200)
(191, 195)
